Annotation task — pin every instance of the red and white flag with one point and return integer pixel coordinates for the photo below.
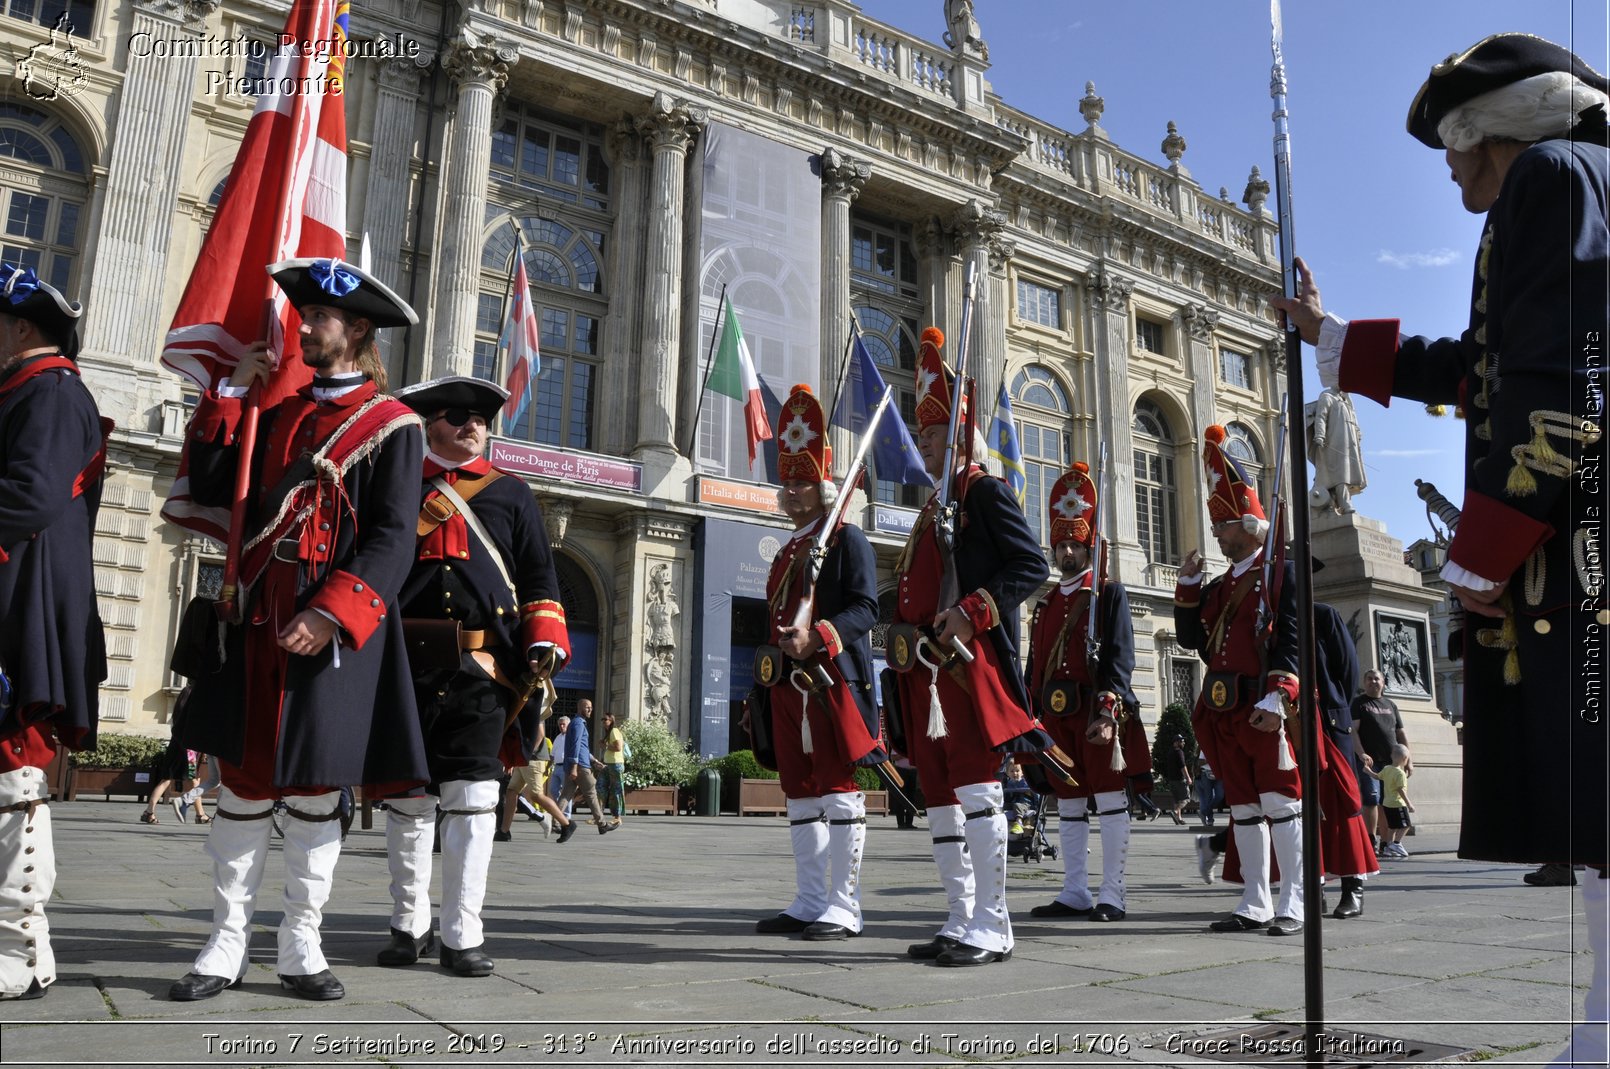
(521, 337)
(286, 196)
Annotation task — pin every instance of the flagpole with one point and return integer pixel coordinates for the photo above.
(1309, 724)
(251, 409)
(502, 373)
(704, 380)
(844, 362)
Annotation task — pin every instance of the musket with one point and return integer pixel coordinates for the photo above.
(948, 512)
(1313, 948)
(1268, 606)
(1097, 578)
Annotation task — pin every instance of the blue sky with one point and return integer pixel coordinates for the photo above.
(1376, 215)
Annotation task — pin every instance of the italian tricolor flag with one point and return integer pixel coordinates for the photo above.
(732, 373)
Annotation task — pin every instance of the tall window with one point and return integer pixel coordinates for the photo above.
(1149, 335)
(1156, 491)
(1240, 443)
(883, 288)
(42, 193)
(1039, 304)
(558, 156)
(1042, 409)
(80, 13)
(1235, 369)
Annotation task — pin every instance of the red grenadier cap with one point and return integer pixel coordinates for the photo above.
(1231, 495)
(935, 382)
(803, 454)
(1072, 506)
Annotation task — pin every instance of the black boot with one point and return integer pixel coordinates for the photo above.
(1352, 903)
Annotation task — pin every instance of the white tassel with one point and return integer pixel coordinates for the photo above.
(936, 714)
(1118, 762)
(1285, 764)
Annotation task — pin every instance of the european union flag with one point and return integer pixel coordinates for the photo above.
(1003, 446)
(894, 454)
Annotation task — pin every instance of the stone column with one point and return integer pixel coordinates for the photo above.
(1109, 295)
(842, 179)
(935, 256)
(670, 126)
(479, 63)
(123, 298)
(613, 425)
(1199, 322)
(386, 196)
(980, 236)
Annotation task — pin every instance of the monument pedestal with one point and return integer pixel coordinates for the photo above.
(1388, 613)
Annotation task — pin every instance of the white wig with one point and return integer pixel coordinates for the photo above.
(827, 488)
(1532, 109)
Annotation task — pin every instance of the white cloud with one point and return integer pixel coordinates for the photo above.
(1406, 452)
(1405, 261)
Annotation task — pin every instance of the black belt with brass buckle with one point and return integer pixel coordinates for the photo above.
(288, 550)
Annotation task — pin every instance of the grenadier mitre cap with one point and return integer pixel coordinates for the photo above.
(1072, 506)
(1231, 495)
(935, 382)
(334, 283)
(1491, 63)
(24, 295)
(483, 398)
(803, 454)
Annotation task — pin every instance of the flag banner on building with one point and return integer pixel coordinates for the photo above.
(520, 337)
(774, 414)
(895, 458)
(1004, 447)
(732, 374)
(286, 196)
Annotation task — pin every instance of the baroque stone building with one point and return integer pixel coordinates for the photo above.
(652, 158)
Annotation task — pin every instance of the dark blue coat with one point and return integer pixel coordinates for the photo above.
(1336, 668)
(996, 551)
(51, 642)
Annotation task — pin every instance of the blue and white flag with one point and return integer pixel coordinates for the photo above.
(1004, 447)
(895, 457)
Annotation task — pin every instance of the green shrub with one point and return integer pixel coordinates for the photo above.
(739, 764)
(122, 751)
(868, 779)
(659, 757)
(1176, 720)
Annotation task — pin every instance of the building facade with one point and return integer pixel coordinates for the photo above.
(656, 160)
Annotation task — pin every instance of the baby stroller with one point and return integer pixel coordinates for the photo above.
(1030, 843)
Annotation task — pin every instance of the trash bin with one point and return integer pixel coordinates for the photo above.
(707, 793)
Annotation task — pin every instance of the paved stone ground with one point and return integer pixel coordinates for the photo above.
(637, 948)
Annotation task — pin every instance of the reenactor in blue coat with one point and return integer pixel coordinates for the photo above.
(818, 675)
(1523, 123)
(52, 650)
(314, 692)
(486, 629)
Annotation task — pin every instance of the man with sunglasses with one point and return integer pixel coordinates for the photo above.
(313, 694)
(481, 609)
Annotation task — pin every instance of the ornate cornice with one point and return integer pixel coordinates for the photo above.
(659, 526)
(842, 175)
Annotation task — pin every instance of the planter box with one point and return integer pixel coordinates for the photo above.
(109, 781)
(651, 800)
(764, 797)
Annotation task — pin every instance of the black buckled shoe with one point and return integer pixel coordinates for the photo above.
(932, 949)
(1552, 876)
(1352, 903)
(472, 961)
(1056, 909)
(822, 932)
(319, 987)
(1235, 922)
(194, 986)
(962, 955)
(782, 924)
(1105, 912)
(1285, 926)
(35, 990)
(406, 949)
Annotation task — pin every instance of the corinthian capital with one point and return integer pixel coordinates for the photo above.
(402, 73)
(1200, 321)
(672, 123)
(976, 225)
(184, 12)
(1109, 291)
(475, 56)
(842, 175)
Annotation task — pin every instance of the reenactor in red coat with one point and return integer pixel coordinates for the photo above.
(819, 677)
(1251, 682)
(314, 692)
(1089, 708)
(52, 651)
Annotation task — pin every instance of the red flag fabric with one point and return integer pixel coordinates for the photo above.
(286, 196)
(525, 360)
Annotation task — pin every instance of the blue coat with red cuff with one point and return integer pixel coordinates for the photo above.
(51, 643)
(453, 577)
(350, 552)
(1530, 374)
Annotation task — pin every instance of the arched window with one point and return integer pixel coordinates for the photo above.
(1156, 488)
(565, 252)
(43, 193)
(1242, 444)
(1042, 409)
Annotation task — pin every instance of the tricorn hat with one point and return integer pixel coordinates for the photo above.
(1491, 63)
(334, 283)
(455, 391)
(1072, 506)
(803, 454)
(24, 295)
(1231, 495)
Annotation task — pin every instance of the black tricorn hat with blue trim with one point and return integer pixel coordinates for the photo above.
(334, 283)
(24, 295)
(454, 391)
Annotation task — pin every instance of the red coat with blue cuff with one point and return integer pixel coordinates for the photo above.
(1530, 374)
(341, 545)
